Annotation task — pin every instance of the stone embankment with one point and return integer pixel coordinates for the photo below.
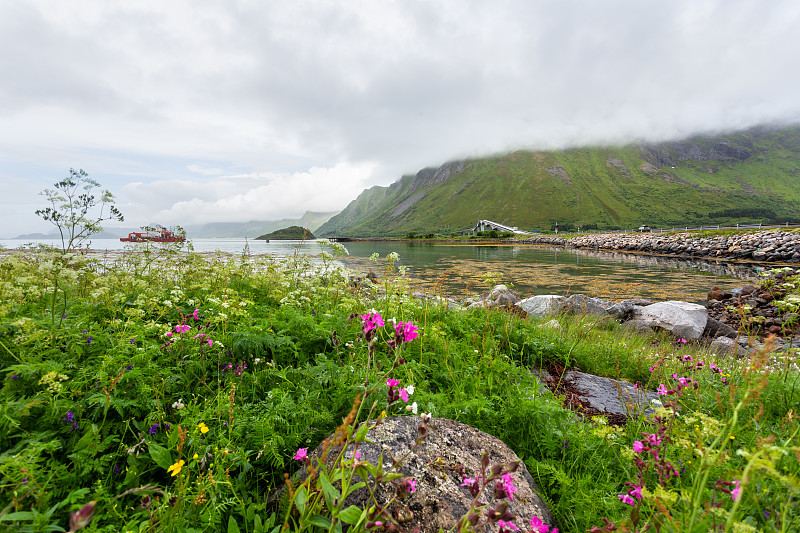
(763, 246)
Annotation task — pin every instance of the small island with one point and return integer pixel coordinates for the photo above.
(292, 233)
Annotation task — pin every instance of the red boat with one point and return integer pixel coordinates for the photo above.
(157, 234)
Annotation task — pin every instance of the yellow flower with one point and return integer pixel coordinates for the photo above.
(732, 437)
(194, 456)
(176, 468)
(203, 428)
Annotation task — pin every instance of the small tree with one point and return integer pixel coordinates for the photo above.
(74, 208)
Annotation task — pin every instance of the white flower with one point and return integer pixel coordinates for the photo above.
(179, 404)
(257, 361)
(410, 390)
(426, 417)
(412, 408)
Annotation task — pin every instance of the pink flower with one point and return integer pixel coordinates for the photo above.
(371, 321)
(508, 484)
(196, 314)
(301, 454)
(182, 328)
(636, 492)
(210, 342)
(199, 336)
(392, 382)
(652, 439)
(468, 481)
(404, 395)
(169, 334)
(507, 525)
(662, 390)
(638, 446)
(538, 526)
(406, 331)
(626, 499)
(410, 484)
(736, 492)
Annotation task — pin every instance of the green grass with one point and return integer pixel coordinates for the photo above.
(103, 395)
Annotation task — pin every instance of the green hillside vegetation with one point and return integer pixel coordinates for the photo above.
(750, 176)
(290, 233)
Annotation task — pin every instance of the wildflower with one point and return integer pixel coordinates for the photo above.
(89, 340)
(468, 481)
(14, 376)
(195, 456)
(638, 446)
(410, 389)
(202, 427)
(199, 336)
(662, 390)
(179, 404)
(392, 382)
(196, 314)
(736, 492)
(626, 499)
(81, 518)
(538, 526)
(507, 525)
(153, 429)
(182, 328)
(371, 321)
(406, 331)
(508, 485)
(636, 492)
(69, 417)
(413, 408)
(129, 367)
(410, 485)
(404, 395)
(132, 341)
(176, 468)
(301, 454)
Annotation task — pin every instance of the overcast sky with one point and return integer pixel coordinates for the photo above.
(197, 111)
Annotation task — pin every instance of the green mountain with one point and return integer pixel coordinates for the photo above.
(290, 233)
(310, 219)
(749, 176)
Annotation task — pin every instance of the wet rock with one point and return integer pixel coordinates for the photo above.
(451, 451)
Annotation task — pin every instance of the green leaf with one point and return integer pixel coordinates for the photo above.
(19, 515)
(354, 488)
(233, 527)
(332, 495)
(352, 515)
(160, 455)
(320, 521)
(361, 433)
(300, 499)
(391, 476)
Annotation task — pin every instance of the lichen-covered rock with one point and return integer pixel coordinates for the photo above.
(450, 452)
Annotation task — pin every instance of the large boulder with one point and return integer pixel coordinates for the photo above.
(580, 304)
(546, 304)
(499, 296)
(683, 319)
(450, 452)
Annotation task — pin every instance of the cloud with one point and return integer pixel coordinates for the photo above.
(250, 196)
(156, 93)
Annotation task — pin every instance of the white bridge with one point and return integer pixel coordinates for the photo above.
(488, 225)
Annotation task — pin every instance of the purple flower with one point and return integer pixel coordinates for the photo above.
(129, 367)
(153, 429)
(406, 331)
(14, 376)
(88, 340)
(69, 417)
(662, 390)
(371, 321)
(735, 493)
(626, 499)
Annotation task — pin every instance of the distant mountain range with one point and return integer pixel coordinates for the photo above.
(748, 176)
(311, 220)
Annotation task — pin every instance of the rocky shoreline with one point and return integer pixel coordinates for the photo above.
(776, 246)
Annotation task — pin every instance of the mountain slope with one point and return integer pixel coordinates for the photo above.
(747, 176)
(310, 219)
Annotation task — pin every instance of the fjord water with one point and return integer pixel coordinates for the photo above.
(456, 269)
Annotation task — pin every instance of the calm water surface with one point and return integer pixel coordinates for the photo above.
(467, 269)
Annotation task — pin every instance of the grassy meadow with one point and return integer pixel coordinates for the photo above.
(165, 391)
